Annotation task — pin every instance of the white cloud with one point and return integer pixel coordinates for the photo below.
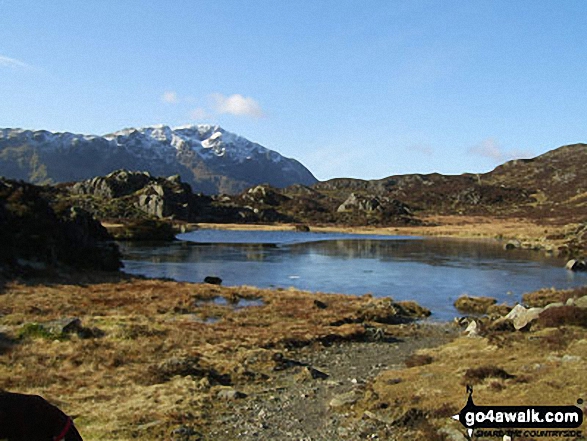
(490, 148)
(199, 114)
(236, 105)
(169, 97)
(12, 63)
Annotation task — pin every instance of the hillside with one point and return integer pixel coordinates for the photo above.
(209, 158)
(552, 187)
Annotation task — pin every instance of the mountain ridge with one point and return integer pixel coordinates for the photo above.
(209, 158)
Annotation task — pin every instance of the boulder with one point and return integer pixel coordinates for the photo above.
(521, 316)
(576, 265)
(581, 302)
(512, 245)
(230, 394)
(345, 399)
(473, 329)
(213, 280)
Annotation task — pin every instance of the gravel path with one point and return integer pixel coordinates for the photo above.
(297, 406)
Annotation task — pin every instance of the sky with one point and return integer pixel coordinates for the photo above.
(361, 88)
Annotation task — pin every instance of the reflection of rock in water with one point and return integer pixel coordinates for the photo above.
(429, 251)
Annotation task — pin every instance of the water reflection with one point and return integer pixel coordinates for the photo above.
(433, 272)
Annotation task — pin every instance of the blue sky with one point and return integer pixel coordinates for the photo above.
(361, 89)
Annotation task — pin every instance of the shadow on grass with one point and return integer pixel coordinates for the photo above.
(61, 276)
(6, 343)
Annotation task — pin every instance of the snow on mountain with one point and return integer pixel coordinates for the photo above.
(210, 158)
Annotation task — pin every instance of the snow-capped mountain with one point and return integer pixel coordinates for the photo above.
(208, 157)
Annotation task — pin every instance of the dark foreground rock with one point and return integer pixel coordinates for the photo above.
(37, 234)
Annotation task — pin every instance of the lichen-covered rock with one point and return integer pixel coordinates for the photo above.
(521, 316)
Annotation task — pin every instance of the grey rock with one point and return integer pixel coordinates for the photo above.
(581, 302)
(230, 394)
(473, 329)
(64, 326)
(213, 280)
(576, 265)
(345, 399)
(512, 245)
(522, 316)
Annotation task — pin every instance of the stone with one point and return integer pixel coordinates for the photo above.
(316, 374)
(230, 394)
(576, 265)
(320, 305)
(512, 245)
(64, 326)
(213, 280)
(345, 399)
(571, 358)
(473, 329)
(581, 302)
(554, 305)
(521, 316)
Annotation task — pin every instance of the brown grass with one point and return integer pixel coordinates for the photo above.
(544, 367)
(157, 363)
(435, 225)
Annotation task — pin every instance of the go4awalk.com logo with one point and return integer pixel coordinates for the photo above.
(510, 418)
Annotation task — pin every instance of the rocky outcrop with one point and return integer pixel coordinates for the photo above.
(264, 195)
(114, 185)
(35, 233)
(373, 203)
(118, 193)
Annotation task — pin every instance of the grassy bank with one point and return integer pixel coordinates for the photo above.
(152, 355)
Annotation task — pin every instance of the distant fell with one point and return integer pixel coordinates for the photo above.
(209, 158)
(550, 186)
